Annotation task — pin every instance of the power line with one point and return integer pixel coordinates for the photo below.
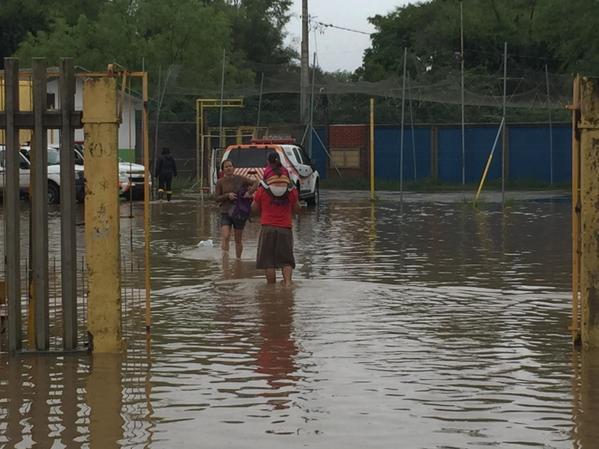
(330, 25)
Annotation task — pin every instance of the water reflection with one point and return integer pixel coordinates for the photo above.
(432, 323)
(585, 386)
(74, 402)
(103, 388)
(276, 356)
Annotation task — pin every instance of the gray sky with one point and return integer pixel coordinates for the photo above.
(337, 49)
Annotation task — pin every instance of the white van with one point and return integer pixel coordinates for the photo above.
(250, 160)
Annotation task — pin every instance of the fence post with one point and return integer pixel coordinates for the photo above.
(67, 206)
(100, 121)
(12, 215)
(434, 152)
(39, 207)
(371, 152)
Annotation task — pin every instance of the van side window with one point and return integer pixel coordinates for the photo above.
(291, 155)
(298, 156)
(304, 155)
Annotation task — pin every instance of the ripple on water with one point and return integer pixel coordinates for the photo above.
(430, 324)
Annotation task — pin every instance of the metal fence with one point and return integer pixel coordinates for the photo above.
(534, 152)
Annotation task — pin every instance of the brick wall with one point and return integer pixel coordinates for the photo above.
(350, 136)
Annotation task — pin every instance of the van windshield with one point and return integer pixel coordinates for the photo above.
(249, 157)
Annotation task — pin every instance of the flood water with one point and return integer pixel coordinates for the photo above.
(424, 325)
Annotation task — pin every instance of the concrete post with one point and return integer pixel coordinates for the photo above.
(589, 191)
(100, 125)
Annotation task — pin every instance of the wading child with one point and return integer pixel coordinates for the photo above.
(230, 191)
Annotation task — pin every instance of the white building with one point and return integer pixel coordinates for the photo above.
(127, 129)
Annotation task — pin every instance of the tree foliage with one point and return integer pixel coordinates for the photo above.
(182, 39)
(181, 44)
(536, 32)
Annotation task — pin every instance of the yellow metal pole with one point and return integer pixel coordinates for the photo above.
(372, 197)
(575, 210)
(198, 140)
(100, 126)
(484, 176)
(201, 121)
(147, 212)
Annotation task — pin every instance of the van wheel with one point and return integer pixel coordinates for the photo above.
(315, 199)
(53, 193)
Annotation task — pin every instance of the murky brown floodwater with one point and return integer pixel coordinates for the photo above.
(433, 326)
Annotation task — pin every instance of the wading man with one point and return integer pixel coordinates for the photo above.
(166, 169)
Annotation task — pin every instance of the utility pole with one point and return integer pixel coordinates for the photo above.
(305, 77)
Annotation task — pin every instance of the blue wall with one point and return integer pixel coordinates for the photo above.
(318, 152)
(528, 150)
(479, 143)
(530, 153)
(388, 153)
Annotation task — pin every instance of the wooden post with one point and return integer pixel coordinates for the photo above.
(589, 192)
(12, 215)
(68, 240)
(100, 122)
(39, 207)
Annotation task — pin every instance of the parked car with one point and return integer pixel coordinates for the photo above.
(250, 160)
(53, 174)
(131, 175)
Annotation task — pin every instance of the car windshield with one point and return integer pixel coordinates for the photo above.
(246, 158)
(53, 156)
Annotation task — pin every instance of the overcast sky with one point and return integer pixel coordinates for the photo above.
(337, 49)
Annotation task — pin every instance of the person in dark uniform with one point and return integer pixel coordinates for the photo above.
(165, 170)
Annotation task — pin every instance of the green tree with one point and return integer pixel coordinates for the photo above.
(17, 18)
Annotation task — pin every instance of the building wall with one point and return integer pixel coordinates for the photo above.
(127, 138)
(347, 139)
(25, 104)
